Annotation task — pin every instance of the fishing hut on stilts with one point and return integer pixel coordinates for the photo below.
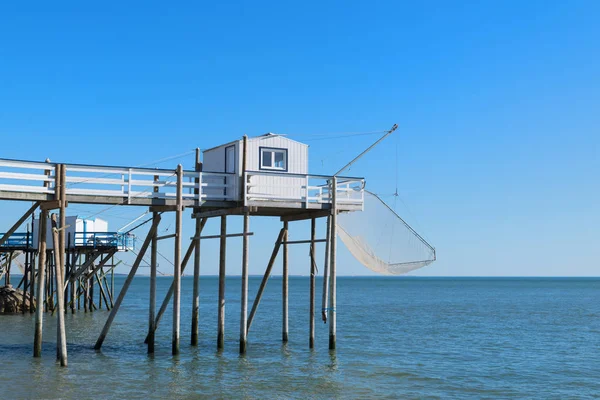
(264, 176)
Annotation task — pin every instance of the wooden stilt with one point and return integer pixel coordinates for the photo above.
(265, 279)
(196, 283)
(169, 294)
(177, 262)
(244, 301)
(101, 294)
(313, 272)
(26, 274)
(39, 311)
(32, 307)
(153, 268)
(222, 272)
(62, 335)
(90, 285)
(332, 267)
(285, 283)
(127, 283)
(325, 298)
(196, 290)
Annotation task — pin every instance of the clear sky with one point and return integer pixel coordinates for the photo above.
(497, 102)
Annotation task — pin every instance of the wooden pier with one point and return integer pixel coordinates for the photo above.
(256, 179)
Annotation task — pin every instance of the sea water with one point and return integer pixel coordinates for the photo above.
(397, 338)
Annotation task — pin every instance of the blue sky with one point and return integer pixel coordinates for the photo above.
(497, 106)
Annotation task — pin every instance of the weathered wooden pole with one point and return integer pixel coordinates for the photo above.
(60, 299)
(153, 268)
(165, 303)
(265, 279)
(177, 263)
(245, 250)
(285, 282)
(332, 267)
(313, 272)
(222, 273)
(244, 300)
(41, 287)
(325, 299)
(196, 283)
(62, 232)
(127, 283)
(26, 273)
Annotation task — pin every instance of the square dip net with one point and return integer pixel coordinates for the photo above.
(382, 241)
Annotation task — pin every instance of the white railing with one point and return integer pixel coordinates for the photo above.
(268, 186)
(129, 184)
(123, 182)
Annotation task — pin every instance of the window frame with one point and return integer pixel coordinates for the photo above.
(272, 150)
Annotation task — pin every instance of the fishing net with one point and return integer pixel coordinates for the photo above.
(382, 241)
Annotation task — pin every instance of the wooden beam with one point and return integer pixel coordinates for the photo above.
(161, 209)
(166, 236)
(304, 241)
(306, 215)
(19, 222)
(50, 205)
(219, 213)
(220, 236)
(127, 283)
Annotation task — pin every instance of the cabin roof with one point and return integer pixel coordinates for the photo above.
(260, 137)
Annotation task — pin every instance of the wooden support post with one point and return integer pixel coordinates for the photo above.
(26, 273)
(325, 298)
(62, 232)
(127, 283)
(153, 268)
(39, 311)
(61, 339)
(244, 301)
(177, 263)
(313, 272)
(332, 267)
(285, 283)
(169, 294)
(102, 294)
(265, 279)
(196, 289)
(196, 283)
(32, 261)
(222, 272)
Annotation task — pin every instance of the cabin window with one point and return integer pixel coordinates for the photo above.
(274, 159)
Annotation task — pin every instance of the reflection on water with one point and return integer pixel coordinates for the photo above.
(406, 338)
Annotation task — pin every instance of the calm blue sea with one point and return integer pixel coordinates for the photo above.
(397, 338)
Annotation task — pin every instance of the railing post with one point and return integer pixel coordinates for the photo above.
(129, 187)
(306, 200)
(200, 188)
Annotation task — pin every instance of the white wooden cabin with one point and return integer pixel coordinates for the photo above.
(80, 232)
(277, 167)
